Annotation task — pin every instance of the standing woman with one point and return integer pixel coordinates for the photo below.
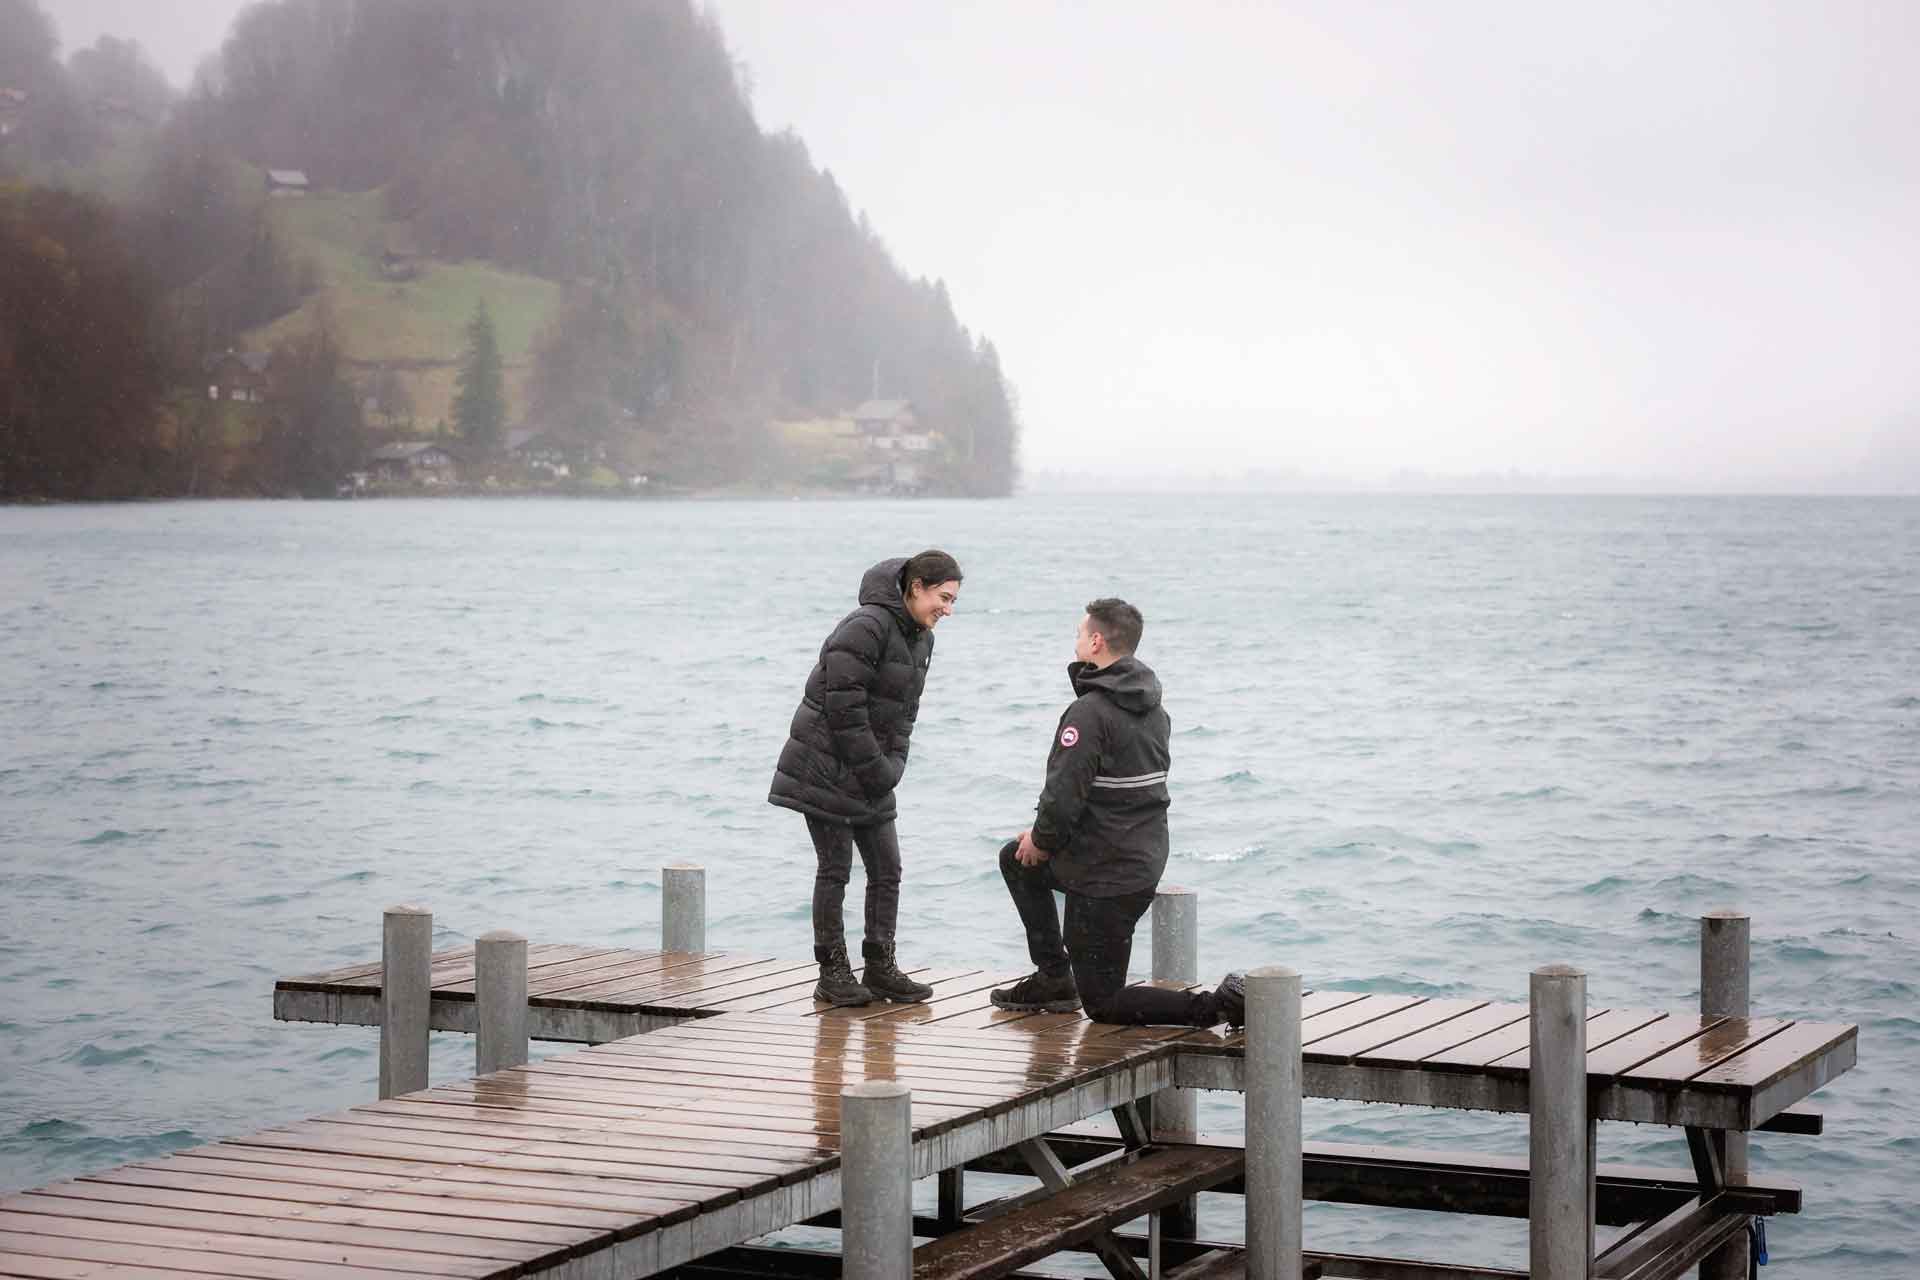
(845, 754)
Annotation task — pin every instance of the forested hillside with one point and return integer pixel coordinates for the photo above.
(688, 279)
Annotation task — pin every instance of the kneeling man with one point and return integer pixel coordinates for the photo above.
(1100, 837)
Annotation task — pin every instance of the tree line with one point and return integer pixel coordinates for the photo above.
(713, 277)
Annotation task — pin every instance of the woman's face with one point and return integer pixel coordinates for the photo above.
(928, 605)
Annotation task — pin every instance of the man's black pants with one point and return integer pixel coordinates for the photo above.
(1096, 947)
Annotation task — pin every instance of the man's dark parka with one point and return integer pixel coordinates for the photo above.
(1102, 817)
(847, 746)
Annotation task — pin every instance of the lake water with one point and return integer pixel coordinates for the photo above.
(1421, 744)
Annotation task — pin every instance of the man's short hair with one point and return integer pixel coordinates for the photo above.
(1118, 623)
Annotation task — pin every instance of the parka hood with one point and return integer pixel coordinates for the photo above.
(1128, 681)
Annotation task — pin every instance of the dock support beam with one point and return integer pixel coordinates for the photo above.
(683, 908)
(1176, 1112)
(406, 963)
(500, 991)
(1274, 1172)
(1725, 981)
(876, 1181)
(1559, 1132)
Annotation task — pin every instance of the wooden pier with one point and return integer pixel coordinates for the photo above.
(717, 1102)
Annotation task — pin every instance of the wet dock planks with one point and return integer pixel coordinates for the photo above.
(722, 1122)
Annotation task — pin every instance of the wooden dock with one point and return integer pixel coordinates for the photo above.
(708, 1112)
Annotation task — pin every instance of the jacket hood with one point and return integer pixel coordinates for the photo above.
(1128, 681)
(881, 585)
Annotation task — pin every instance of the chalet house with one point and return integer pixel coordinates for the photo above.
(539, 451)
(13, 110)
(399, 255)
(286, 182)
(419, 461)
(884, 417)
(890, 426)
(239, 375)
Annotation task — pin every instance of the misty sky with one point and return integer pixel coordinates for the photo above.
(1674, 241)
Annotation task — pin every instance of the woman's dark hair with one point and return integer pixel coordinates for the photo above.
(930, 568)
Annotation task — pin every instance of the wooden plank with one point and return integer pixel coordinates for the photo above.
(678, 987)
(278, 1227)
(1650, 1041)
(960, 1066)
(25, 1266)
(352, 974)
(979, 1045)
(618, 985)
(324, 1168)
(341, 1251)
(1724, 1040)
(252, 1267)
(665, 1182)
(746, 1086)
(498, 1204)
(702, 1167)
(1346, 1015)
(1777, 1056)
(550, 974)
(1357, 1042)
(1415, 1048)
(1077, 1213)
(1494, 1046)
(962, 1074)
(315, 1207)
(1602, 1029)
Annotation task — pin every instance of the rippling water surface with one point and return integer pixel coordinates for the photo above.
(1421, 744)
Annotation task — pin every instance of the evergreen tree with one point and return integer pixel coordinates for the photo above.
(480, 409)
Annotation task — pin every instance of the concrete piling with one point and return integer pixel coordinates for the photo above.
(1559, 1134)
(406, 960)
(500, 991)
(1274, 1179)
(683, 908)
(876, 1181)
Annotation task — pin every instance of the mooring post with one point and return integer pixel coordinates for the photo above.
(683, 908)
(876, 1181)
(406, 963)
(1176, 1112)
(1725, 989)
(1559, 1137)
(500, 991)
(1274, 1175)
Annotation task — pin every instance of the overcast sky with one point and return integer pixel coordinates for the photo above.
(1675, 241)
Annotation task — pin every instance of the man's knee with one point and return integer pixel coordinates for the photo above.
(1010, 868)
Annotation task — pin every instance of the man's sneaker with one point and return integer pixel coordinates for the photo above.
(837, 985)
(1230, 1000)
(882, 975)
(1037, 993)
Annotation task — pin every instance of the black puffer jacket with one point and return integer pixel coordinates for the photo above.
(1103, 813)
(847, 747)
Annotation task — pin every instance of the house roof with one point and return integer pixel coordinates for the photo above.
(255, 361)
(882, 409)
(288, 177)
(405, 450)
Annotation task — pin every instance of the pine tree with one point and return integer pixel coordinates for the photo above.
(480, 409)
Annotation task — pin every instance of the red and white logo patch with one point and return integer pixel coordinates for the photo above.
(1069, 736)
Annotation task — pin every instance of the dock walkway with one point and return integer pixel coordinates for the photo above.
(707, 1112)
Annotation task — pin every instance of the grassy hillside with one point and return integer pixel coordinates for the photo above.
(420, 323)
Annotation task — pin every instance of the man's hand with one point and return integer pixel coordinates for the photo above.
(1029, 854)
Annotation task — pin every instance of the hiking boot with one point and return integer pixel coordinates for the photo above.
(883, 977)
(1230, 1000)
(1039, 993)
(837, 985)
